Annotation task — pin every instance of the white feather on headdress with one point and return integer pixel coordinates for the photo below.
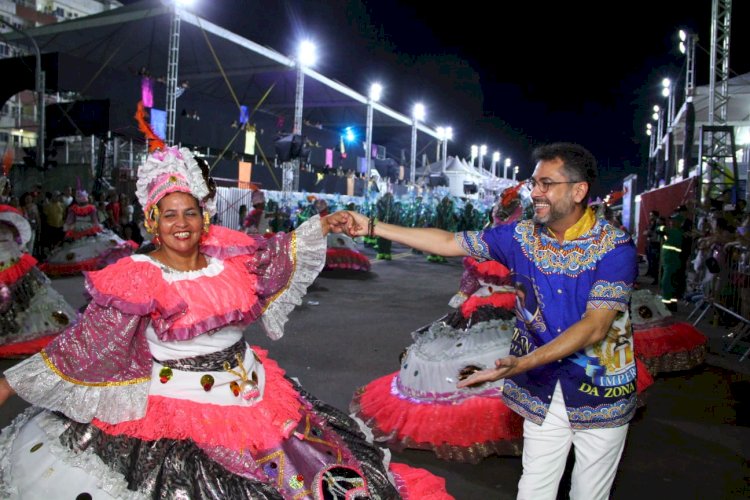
(173, 161)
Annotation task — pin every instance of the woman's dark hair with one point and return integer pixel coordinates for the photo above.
(205, 170)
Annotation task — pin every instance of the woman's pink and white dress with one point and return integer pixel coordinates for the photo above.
(87, 245)
(156, 394)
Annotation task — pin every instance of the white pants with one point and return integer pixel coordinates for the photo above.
(545, 452)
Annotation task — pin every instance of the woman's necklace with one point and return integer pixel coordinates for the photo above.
(169, 269)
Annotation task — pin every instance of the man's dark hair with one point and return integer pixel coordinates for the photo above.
(578, 162)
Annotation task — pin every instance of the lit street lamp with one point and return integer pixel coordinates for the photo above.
(482, 152)
(505, 168)
(495, 159)
(474, 153)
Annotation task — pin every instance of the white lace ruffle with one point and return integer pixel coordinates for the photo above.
(113, 483)
(40, 386)
(309, 259)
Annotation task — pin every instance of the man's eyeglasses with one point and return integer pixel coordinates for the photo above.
(545, 185)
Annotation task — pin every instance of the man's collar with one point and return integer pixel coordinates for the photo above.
(584, 224)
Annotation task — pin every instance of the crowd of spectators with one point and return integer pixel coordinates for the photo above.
(47, 212)
(701, 251)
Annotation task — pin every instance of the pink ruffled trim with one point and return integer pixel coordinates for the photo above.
(223, 243)
(643, 379)
(143, 296)
(496, 300)
(216, 301)
(18, 270)
(475, 420)
(71, 269)
(418, 484)
(252, 428)
(343, 258)
(490, 271)
(82, 210)
(670, 338)
(27, 348)
(169, 331)
(76, 235)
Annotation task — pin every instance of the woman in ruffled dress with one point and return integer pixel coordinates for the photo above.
(87, 245)
(31, 311)
(419, 406)
(660, 340)
(155, 393)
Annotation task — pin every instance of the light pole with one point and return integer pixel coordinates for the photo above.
(306, 56)
(375, 92)
(474, 153)
(417, 116)
(482, 152)
(650, 170)
(447, 136)
(687, 47)
(440, 137)
(505, 168)
(666, 91)
(515, 172)
(39, 89)
(495, 160)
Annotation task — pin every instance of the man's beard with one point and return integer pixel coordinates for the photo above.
(556, 211)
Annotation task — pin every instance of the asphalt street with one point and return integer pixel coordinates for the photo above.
(690, 440)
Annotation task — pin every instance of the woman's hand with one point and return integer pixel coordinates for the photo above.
(336, 222)
(358, 224)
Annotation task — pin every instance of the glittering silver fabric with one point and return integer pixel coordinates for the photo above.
(302, 253)
(78, 374)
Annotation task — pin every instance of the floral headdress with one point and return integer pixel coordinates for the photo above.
(508, 208)
(168, 170)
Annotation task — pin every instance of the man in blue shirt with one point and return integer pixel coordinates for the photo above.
(571, 370)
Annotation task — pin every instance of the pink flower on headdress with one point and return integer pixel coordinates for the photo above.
(161, 154)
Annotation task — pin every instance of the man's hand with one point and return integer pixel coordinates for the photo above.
(504, 367)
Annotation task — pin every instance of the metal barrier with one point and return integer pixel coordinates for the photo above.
(722, 285)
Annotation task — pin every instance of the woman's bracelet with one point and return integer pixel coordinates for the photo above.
(371, 227)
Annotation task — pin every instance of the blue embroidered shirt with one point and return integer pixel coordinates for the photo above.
(556, 283)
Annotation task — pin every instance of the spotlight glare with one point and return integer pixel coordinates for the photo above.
(306, 55)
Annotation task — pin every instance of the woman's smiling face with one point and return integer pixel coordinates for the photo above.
(180, 224)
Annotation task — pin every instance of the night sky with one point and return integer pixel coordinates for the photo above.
(524, 74)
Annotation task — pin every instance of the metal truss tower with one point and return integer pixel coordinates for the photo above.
(717, 148)
(172, 66)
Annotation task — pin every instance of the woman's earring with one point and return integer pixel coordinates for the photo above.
(157, 241)
(206, 222)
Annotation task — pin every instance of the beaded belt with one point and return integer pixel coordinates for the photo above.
(208, 362)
